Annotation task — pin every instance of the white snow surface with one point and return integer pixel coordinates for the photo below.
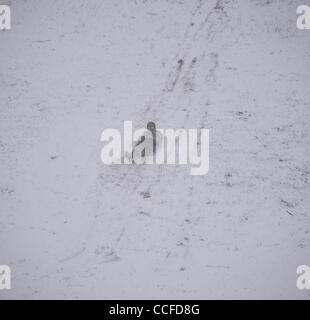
(74, 228)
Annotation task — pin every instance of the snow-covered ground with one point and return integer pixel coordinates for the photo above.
(72, 227)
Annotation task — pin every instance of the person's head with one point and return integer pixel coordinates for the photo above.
(151, 126)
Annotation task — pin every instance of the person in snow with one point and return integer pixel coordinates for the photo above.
(152, 138)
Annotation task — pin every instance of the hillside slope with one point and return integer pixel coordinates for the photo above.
(72, 227)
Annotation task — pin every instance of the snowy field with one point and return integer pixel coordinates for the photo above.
(74, 228)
